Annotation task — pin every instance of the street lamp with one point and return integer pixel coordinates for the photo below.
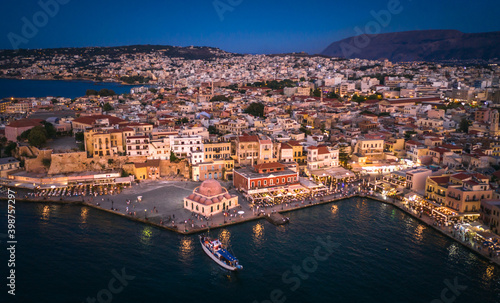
(145, 214)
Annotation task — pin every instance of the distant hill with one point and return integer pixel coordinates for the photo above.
(191, 52)
(425, 45)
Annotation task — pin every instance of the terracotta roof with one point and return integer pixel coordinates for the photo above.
(25, 123)
(268, 166)
(461, 176)
(294, 143)
(441, 179)
(440, 150)
(248, 139)
(471, 182)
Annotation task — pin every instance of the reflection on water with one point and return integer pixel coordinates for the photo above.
(83, 214)
(186, 250)
(225, 236)
(146, 235)
(45, 213)
(419, 233)
(489, 274)
(258, 233)
(453, 251)
(334, 209)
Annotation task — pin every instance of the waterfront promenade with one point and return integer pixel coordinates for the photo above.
(162, 206)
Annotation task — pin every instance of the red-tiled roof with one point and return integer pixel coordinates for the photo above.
(441, 179)
(461, 176)
(25, 123)
(248, 139)
(273, 165)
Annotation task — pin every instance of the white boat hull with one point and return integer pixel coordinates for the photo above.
(221, 264)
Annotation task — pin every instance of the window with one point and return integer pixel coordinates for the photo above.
(265, 182)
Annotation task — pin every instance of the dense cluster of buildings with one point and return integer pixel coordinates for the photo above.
(271, 123)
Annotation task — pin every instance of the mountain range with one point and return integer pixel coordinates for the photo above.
(423, 45)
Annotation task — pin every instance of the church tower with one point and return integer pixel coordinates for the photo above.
(494, 117)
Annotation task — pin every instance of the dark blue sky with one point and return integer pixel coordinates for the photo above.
(250, 26)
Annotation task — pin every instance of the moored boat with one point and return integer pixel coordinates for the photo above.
(219, 253)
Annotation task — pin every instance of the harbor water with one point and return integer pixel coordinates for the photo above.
(356, 250)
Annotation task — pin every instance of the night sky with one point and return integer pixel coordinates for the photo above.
(242, 26)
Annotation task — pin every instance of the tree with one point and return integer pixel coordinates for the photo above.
(255, 109)
(184, 120)
(305, 130)
(409, 134)
(23, 135)
(49, 129)
(213, 130)
(333, 95)
(91, 92)
(344, 157)
(316, 93)
(173, 157)
(124, 174)
(357, 98)
(46, 162)
(106, 92)
(11, 146)
(219, 98)
(79, 136)
(464, 125)
(107, 107)
(37, 136)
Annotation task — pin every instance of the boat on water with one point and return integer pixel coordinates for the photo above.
(219, 253)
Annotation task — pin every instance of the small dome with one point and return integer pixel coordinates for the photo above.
(197, 198)
(227, 196)
(215, 200)
(191, 196)
(202, 200)
(210, 188)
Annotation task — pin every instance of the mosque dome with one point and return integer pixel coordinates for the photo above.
(210, 188)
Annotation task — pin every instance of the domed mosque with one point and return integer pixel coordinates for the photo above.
(210, 198)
